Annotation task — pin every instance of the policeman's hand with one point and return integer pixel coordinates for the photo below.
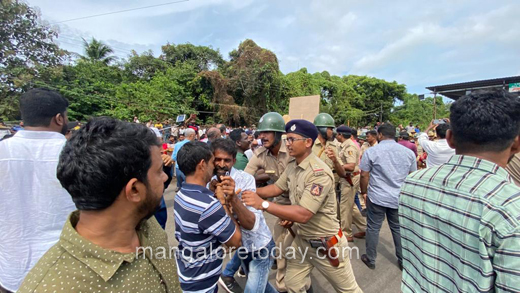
(213, 185)
(330, 154)
(286, 224)
(252, 199)
(219, 194)
(167, 160)
(365, 197)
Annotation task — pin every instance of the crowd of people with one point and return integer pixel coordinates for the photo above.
(83, 204)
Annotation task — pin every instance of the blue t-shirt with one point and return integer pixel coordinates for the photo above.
(201, 226)
(176, 149)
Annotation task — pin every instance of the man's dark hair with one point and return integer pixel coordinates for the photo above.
(236, 134)
(404, 135)
(224, 144)
(354, 133)
(38, 106)
(222, 129)
(442, 129)
(485, 121)
(372, 132)
(99, 160)
(191, 154)
(387, 130)
(256, 134)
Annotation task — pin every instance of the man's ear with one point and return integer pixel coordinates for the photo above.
(450, 139)
(59, 119)
(201, 165)
(309, 143)
(135, 190)
(515, 147)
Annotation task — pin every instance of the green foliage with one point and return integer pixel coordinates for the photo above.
(25, 45)
(186, 79)
(418, 112)
(201, 57)
(96, 51)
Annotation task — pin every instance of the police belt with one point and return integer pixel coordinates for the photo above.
(328, 243)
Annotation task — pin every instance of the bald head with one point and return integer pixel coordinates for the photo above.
(213, 133)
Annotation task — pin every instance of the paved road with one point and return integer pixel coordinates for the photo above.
(385, 278)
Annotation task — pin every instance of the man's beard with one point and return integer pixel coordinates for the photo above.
(151, 205)
(64, 129)
(218, 171)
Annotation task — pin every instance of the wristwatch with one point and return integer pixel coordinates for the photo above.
(265, 205)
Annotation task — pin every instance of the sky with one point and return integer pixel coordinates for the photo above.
(416, 43)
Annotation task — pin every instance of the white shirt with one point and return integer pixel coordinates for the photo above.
(34, 206)
(249, 154)
(439, 152)
(260, 235)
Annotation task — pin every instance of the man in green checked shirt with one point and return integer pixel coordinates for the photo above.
(460, 221)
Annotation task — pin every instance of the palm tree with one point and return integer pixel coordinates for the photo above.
(97, 51)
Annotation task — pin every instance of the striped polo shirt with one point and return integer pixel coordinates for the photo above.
(201, 226)
(460, 228)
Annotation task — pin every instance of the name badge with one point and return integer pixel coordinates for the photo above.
(270, 172)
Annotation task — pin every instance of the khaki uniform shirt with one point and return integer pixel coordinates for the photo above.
(317, 149)
(349, 154)
(75, 264)
(273, 166)
(310, 185)
(513, 168)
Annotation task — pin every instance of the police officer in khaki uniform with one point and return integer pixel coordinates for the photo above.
(325, 147)
(310, 183)
(349, 154)
(267, 164)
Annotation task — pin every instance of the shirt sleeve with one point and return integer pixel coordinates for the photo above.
(350, 154)
(249, 183)
(215, 221)
(413, 166)
(317, 187)
(175, 151)
(365, 164)
(253, 165)
(282, 181)
(506, 262)
(425, 142)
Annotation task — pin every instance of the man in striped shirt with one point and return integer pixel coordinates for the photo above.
(202, 224)
(460, 221)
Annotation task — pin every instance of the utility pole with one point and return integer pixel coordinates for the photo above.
(434, 105)
(381, 114)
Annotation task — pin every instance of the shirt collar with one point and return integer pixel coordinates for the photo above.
(39, 134)
(196, 187)
(481, 164)
(386, 141)
(103, 262)
(306, 162)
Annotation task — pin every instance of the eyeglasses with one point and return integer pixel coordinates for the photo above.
(291, 140)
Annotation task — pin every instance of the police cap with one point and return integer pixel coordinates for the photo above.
(303, 128)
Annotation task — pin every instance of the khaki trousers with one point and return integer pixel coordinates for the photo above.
(283, 239)
(304, 259)
(349, 212)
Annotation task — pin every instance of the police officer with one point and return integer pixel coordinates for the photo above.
(325, 147)
(310, 183)
(349, 212)
(267, 164)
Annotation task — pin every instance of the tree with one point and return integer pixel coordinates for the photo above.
(144, 66)
(96, 51)
(26, 44)
(255, 80)
(201, 57)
